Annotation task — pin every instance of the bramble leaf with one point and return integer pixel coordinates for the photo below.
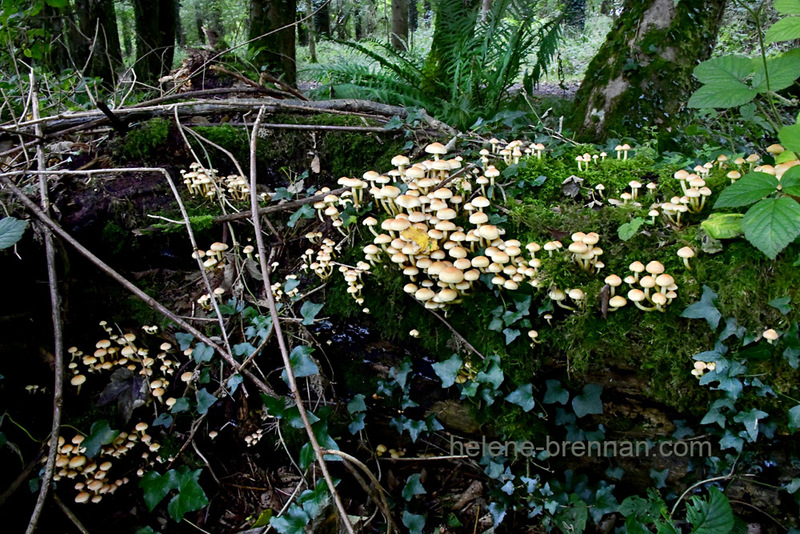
(772, 224)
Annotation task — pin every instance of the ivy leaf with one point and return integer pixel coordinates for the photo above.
(750, 188)
(511, 334)
(555, 393)
(184, 340)
(233, 383)
(750, 421)
(413, 487)
(202, 353)
(781, 304)
(589, 401)
(357, 424)
(786, 29)
(705, 309)
(712, 516)
(11, 230)
(630, 229)
(794, 418)
(155, 486)
(447, 371)
(772, 224)
(293, 521)
(301, 364)
(357, 404)
(204, 401)
(99, 435)
(413, 522)
(163, 419)
(492, 373)
(522, 397)
(306, 211)
(309, 311)
(190, 495)
(181, 405)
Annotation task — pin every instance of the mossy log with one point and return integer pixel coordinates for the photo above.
(642, 76)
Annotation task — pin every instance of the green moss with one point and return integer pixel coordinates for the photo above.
(143, 143)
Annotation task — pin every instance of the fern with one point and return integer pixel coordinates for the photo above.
(469, 70)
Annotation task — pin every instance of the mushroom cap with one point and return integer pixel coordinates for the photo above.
(655, 267)
(400, 160)
(451, 275)
(436, 148)
(770, 334)
(617, 301)
(636, 295)
(218, 247)
(636, 267)
(613, 280)
(686, 252)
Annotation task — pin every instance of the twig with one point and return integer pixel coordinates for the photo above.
(55, 304)
(706, 481)
(381, 498)
(459, 336)
(276, 324)
(147, 299)
(21, 478)
(424, 458)
(117, 124)
(72, 517)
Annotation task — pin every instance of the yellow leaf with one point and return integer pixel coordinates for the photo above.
(420, 237)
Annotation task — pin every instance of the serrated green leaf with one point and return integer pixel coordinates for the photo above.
(448, 370)
(705, 309)
(522, 397)
(202, 353)
(100, 434)
(589, 401)
(772, 224)
(413, 487)
(155, 486)
(783, 71)
(309, 311)
(11, 230)
(204, 401)
(190, 495)
(723, 225)
(713, 516)
(790, 181)
(724, 70)
(629, 229)
(750, 188)
(786, 29)
(789, 136)
(413, 522)
(794, 418)
(555, 393)
(714, 96)
(787, 7)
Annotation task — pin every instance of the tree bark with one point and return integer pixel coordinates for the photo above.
(400, 24)
(642, 76)
(97, 20)
(312, 40)
(276, 51)
(322, 17)
(155, 38)
(575, 14)
(413, 16)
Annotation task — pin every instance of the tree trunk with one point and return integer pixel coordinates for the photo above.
(97, 21)
(575, 14)
(400, 24)
(642, 76)
(127, 33)
(312, 40)
(413, 16)
(180, 33)
(322, 17)
(155, 38)
(276, 51)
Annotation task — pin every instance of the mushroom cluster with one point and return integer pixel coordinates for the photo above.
(206, 183)
(91, 475)
(214, 256)
(701, 368)
(651, 288)
(585, 253)
(319, 261)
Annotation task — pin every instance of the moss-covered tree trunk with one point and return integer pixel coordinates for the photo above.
(274, 50)
(97, 20)
(155, 38)
(642, 76)
(453, 18)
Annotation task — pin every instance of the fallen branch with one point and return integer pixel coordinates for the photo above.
(276, 325)
(58, 333)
